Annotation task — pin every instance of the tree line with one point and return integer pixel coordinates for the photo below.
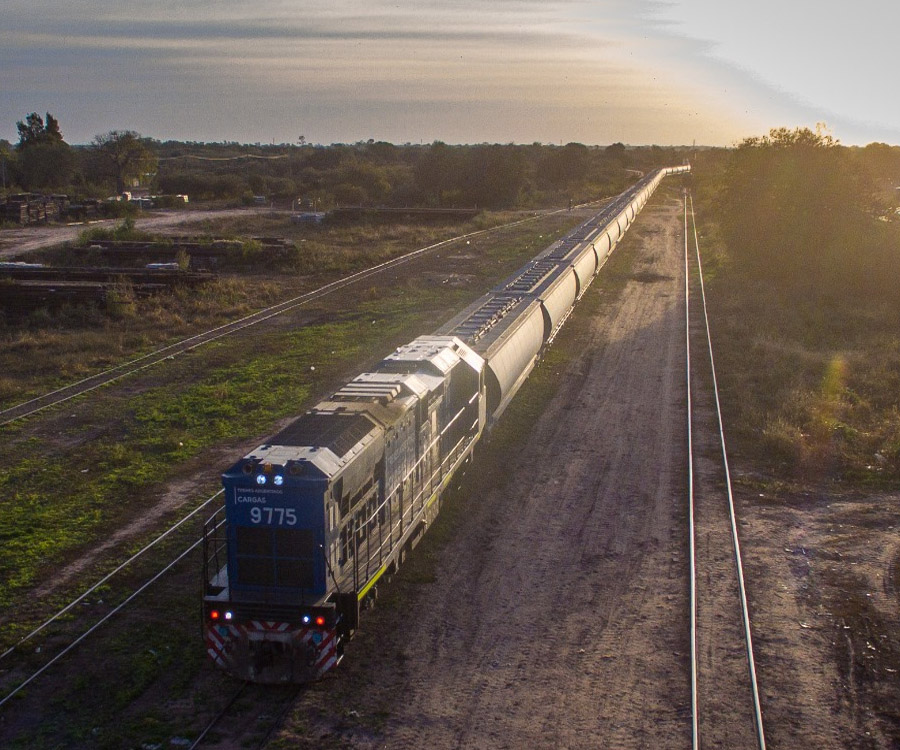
(376, 173)
(366, 173)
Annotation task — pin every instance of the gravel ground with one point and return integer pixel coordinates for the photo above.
(550, 609)
(553, 621)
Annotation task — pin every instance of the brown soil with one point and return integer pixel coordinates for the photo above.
(555, 619)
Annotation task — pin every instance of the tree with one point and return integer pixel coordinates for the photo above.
(7, 161)
(615, 151)
(33, 131)
(45, 160)
(51, 129)
(496, 175)
(46, 166)
(792, 204)
(439, 174)
(566, 166)
(124, 155)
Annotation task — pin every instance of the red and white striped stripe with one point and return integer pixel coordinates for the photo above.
(222, 641)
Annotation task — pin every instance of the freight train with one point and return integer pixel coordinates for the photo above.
(315, 516)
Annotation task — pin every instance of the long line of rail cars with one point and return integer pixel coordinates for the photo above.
(317, 515)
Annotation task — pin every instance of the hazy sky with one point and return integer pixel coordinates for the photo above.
(456, 70)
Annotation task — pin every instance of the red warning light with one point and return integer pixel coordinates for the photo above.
(320, 621)
(214, 614)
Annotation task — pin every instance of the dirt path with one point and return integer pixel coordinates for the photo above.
(551, 620)
(14, 242)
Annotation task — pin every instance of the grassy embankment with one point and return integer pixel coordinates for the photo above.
(801, 242)
(803, 272)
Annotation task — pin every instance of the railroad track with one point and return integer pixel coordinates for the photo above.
(250, 716)
(75, 642)
(139, 364)
(136, 366)
(725, 703)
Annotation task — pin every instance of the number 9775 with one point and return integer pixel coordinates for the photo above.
(273, 516)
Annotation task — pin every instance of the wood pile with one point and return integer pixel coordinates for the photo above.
(25, 287)
(33, 208)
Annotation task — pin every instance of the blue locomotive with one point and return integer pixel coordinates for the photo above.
(317, 515)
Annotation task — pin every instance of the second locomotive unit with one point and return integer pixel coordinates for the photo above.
(315, 516)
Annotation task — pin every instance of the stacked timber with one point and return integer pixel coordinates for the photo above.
(33, 208)
(27, 286)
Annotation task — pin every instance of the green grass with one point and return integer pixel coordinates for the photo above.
(150, 659)
(124, 232)
(52, 348)
(802, 279)
(810, 387)
(54, 506)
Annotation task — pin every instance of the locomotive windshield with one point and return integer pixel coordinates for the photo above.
(272, 556)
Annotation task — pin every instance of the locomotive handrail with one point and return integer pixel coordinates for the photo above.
(419, 495)
(213, 544)
(454, 458)
(610, 214)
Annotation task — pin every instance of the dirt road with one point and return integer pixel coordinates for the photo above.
(548, 605)
(555, 630)
(15, 242)
(553, 618)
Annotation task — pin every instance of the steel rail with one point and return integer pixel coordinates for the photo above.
(20, 411)
(330, 287)
(108, 576)
(692, 549)
(102, 620)
(266, 705)
(219, 716)
(738, 561)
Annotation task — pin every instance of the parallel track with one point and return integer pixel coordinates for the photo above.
(709, 656)
(146, 548)
(100, 622)
(87, 385)
(214, 722)
(257, 724)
